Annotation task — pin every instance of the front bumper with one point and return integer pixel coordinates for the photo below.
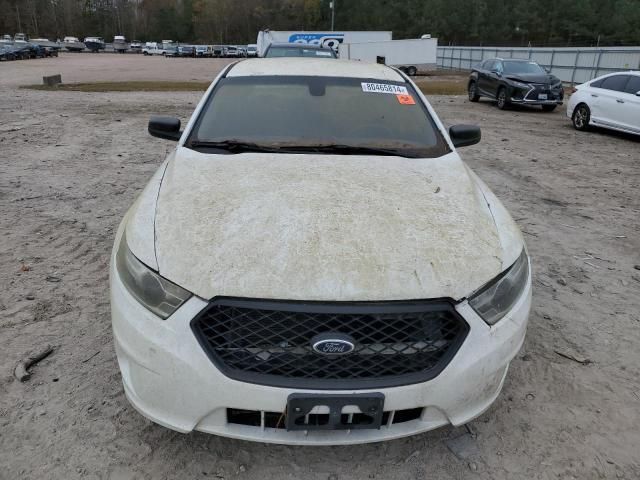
(530, 95)
(521, 101)
(571, 104)
(169, 379)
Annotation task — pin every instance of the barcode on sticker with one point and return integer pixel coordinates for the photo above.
(384, 88)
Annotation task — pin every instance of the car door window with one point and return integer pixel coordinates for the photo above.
(633, 85)
(616, 83)
(498, 67)
(487, 65)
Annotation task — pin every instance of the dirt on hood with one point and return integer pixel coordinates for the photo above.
(323, 227)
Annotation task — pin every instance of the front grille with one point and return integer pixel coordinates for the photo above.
(542, 88)
(270, 342)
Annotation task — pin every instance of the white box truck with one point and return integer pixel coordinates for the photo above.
(155, 48)
(324, 38)
(151, 48)
(411, 56)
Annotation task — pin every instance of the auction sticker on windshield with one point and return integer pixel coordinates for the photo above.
(384, 88)
(406, 99)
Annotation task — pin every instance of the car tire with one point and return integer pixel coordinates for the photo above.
(503, 103)
(412, 71)
(580, 117)
(548, 108)
(472, 90)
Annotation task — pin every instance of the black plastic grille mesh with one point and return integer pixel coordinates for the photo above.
(269, 343)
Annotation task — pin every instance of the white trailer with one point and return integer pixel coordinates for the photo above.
(411, 56)
(323, 38)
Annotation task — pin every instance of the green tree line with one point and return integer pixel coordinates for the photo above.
(455, 22)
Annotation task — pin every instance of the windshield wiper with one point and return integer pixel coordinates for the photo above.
(355, 150)
(234, 146)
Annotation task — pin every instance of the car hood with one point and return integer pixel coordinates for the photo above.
(324, 227)
(533, 78)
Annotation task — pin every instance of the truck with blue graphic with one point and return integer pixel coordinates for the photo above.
(325, 39)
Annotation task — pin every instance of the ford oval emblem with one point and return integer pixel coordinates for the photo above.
(333, 344)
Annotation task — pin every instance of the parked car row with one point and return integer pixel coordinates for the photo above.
(610, 101)
(121, 45)
(169, 48)
(24, 51)
(227, 51)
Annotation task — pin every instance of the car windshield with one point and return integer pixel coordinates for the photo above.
(317, 114)
(522, 67)
(299, 52)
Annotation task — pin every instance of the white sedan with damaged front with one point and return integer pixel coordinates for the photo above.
(314, 264)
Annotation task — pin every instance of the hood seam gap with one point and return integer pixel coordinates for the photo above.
(155, 215)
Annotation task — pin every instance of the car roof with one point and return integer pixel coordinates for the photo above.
(512, 59)
(310, 46)
(635, 73)
(313, 67)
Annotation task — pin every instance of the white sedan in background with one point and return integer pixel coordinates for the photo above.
(610, 101)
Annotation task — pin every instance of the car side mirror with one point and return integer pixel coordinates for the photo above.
(165, 127)
(464, 135)
(497, 72)
(638, 94)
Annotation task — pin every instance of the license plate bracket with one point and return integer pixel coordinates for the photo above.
(299, 405)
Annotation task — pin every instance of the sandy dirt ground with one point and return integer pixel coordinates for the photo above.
(71, 164)
(111, 67)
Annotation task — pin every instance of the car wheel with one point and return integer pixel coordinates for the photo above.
(412, 71)
(502, 98)
(580, 117)
(548, 108)
(473, 92)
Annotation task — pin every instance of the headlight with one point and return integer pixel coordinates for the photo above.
(497, 297)
(157, 294)
(520, 85)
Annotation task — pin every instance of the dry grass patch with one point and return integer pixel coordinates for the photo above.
(140, 86)
(428, 86)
